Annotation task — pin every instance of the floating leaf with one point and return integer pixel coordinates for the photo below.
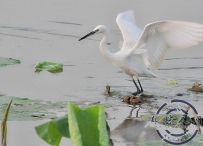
(53, 131)
(3, 125)
(5, 99)
(49, 66)
(172, 81)
(146, 94)
(8, 61)
(26, 109)
(87, 127)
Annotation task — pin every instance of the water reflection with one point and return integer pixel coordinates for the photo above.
(134, 130)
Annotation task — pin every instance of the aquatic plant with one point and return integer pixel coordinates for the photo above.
(49, 66)
(8, 61)
(84, 127)
(4, 126)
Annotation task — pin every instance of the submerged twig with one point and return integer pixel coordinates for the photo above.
(3, 125)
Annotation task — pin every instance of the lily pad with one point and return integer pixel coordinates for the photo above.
(16, 101)
(8, 61)
(49, 66)
(26, 109)
(172, 81)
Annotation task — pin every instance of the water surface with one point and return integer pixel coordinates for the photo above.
(49, 30)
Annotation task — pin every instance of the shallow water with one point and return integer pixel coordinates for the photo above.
(49, 31)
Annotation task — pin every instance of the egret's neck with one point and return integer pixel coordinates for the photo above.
(104, 51)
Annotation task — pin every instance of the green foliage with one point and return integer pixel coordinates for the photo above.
(4, 126)
(26, 109)
(5, 99)
(49, 66)
(8, 61)
(85, 127)
(53, 131)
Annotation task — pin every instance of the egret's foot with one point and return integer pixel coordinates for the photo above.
(134, 94)
(138, 92)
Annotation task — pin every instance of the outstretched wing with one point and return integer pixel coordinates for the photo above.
(158, 37)
(129, 30)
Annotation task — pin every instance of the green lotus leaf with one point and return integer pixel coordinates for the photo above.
(49, 66)
(16, 100)
(26, 109)
(87, 127)
(52, 131)
(8, 61)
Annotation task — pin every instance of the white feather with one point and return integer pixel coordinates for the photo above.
(130, 32)
(158, 37)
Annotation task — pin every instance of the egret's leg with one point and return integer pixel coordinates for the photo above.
(138, 89)
(140, 85)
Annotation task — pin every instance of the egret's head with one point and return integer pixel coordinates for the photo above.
(98, 29)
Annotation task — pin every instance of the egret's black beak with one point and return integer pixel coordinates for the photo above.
(89, 34)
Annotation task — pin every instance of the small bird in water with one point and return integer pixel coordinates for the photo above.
(147, 48)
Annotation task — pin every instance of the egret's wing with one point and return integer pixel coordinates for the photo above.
(129, 30)
(158, 37)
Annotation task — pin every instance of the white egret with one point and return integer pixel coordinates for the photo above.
(147, 48)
